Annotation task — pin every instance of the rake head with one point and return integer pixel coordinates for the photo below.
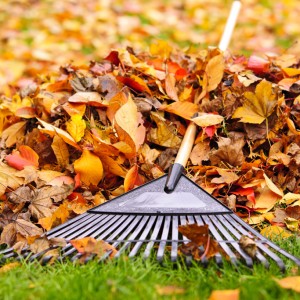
(135, 228)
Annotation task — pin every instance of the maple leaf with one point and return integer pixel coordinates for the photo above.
(258, 106)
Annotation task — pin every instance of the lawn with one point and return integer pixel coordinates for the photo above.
(138, 279)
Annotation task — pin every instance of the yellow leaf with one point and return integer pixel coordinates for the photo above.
(9, 267)
(161, 48)
(272, 186)
(275, 232)
(292, 282)
(205, 119)
(52, 130)
(128, 119)
(13, 133)
(90, 168)
(291, 71)
(292, 224)
(289, 198)
(258, 106)
(164, 134)
(170, 83)
(60, 150)
(169, 290)
(76, 127)
(225, 295)
(214, 71)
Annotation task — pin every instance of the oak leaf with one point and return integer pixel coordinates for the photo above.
(90, 168)
(258, 106)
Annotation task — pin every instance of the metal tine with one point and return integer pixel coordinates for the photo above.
(67, 225)
(226, 230)
(153, 236)
(204, 260)
(264, 240)
(174, 247)
(134, 234)
(79, 227)
(218, 256)
(143, 236)
(183, 221)
(115, 233)
(164, 236)
(258, 255)
(271, 254)
(69, 249)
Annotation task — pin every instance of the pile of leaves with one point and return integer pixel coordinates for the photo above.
(75, 140)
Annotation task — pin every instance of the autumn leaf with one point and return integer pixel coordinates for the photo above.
(291, 282)
(205, 119)
(275, 232)
(161, 48)
(132, 179)
(164, 134)
(13, 133)
(53, 130)
(8, 178)
(169, 290)
(22, 158)
(225, 295)
(183, 109)
(9, 266)
(60, 150)
(258, 106)
(214, 70)
(76, 127)
(90, 98)
(89, 245)
(90, 168)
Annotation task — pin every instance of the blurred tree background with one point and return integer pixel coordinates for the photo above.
(37, 37)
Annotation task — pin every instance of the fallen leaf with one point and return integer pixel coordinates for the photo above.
(200, 153)
(248, 245)
(214, 70)
(291, 282)
(292, 224)
(258, 106)
(22, 158)
(132, 179)
(76, 127)
(13, 133)
(10, 266)
(225, 295)
(169, 290)
(90, 168)
(205, 119)
(275, 232)
(183, 109)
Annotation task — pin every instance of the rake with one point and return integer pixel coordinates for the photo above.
(146, 220)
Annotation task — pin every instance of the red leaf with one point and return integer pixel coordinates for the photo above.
(113, 57)
(258, 64)
(210, 130)
(22, 158)
(248, 192)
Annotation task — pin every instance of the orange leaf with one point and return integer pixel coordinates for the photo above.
(90, 168)
(132, 179)
(135, 83)
(249, 192)
(225, 295)
(22, 158)
(183, 109)
(292, 282)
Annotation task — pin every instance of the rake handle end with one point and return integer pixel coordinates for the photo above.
(173, 177)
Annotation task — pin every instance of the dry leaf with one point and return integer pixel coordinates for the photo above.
(225, 295)
(90, 168)
(275, 232)
(292, 282)
(214, 70)
(60, 150)
(258, 106)
(169, 290)
(205, 119)
(10, 266)
(248, 245)
(22, 158)
(76, 127)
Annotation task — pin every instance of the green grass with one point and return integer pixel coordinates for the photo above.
(138, 279)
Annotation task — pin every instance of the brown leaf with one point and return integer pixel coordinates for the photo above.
(248, 245)
(293, 212)
(230, 152)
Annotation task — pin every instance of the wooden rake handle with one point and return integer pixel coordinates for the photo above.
(190, 134)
